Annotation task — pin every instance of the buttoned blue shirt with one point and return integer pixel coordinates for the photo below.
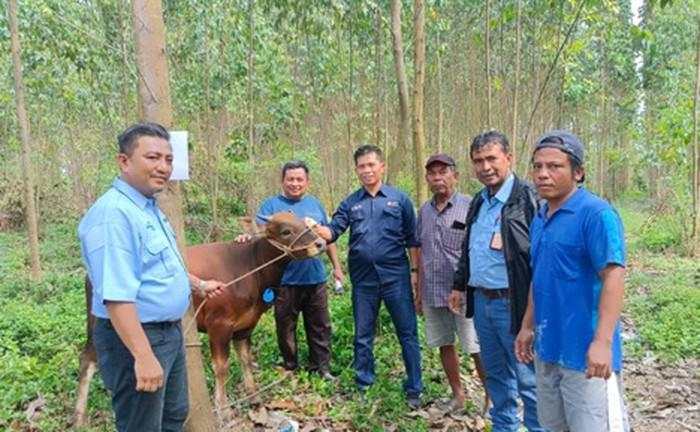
(487, 266)
(130, 254)
(308, 271)
(381, 228)
(569, 250)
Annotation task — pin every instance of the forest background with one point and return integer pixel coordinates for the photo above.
(259, 82)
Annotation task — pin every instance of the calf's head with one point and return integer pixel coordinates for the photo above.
(291, 234)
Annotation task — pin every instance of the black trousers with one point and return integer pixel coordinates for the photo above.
(312, 302)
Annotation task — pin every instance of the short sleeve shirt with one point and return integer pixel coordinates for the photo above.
(131, 255)
(441, 236)
(381, 228)
(308, 271)
(569, 250)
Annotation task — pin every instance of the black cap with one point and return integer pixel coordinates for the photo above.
(562, 140)
(440, 158)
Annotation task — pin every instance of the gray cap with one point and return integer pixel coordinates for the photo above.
(562, 140)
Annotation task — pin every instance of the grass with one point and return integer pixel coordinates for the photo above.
(42, 330)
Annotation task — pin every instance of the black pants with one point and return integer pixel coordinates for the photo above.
(312, 302)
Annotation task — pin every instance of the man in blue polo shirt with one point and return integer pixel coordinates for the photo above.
(578, 262)
(382, 225)
(140, 288)
(303, 282)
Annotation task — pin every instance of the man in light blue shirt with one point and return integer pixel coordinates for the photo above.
(494, 270)
(140, 288)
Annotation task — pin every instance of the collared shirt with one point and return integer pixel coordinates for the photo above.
(569, 250)
(130, 254)
(381, 228)
(487, 266)
(441, 236)
(310, 270)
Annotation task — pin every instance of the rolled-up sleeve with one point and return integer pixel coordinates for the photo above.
(340, 220)
(409, 223)
(605, 240)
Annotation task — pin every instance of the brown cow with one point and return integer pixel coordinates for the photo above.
(233, 314)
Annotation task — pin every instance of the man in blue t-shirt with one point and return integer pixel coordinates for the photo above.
(303, 287)
(578, 263)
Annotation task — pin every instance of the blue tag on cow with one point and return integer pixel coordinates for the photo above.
(268, 295)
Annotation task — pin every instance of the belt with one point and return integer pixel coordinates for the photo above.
(493, 294)
(146, 325)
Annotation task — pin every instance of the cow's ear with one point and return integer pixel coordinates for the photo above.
(249, 226)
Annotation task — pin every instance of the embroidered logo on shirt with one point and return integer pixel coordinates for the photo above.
(356, 207)
(392, 203)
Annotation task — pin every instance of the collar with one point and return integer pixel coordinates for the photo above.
(450, 201)
(503, 193)
(285, 198)
(132, 193)
(382, 191)
(571, 204)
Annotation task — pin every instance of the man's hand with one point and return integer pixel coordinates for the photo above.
(338, 274)
(243, 238)
(523, 345)
(599, 359)
(455, 301)
(212, 288)
(149, 373)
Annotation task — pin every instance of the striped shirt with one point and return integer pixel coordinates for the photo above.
(441, 236)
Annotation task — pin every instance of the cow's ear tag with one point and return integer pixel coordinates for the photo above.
(268, 295)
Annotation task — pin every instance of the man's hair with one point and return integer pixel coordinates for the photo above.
(367, 149)
(575, 163)
(127, 139)
(294, 164)
(489, 137)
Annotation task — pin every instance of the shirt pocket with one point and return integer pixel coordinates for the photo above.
(158, 259)
(452, 238)
(568, 260)
(392, 219)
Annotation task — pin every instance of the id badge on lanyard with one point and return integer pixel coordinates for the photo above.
(496, 238)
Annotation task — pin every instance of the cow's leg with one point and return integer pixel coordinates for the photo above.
(88, 366)
(245, 358)
(219, 343)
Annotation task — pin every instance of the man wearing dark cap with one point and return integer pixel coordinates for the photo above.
(494, 270)
(578, 263)
(440, 232)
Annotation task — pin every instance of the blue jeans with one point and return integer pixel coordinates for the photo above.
(506, 378)
(398, 299)
(163, 410)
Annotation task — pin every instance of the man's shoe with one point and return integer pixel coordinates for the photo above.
(413, 401)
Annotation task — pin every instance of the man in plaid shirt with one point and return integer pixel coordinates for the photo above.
(441, 231)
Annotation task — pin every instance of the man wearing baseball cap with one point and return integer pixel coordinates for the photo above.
(578, 264)
(441, 231)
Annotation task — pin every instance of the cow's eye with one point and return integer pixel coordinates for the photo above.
(286, 232)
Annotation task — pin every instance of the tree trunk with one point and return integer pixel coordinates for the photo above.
(30, 212)
(440, 107)
(696, 152)
(379, 84)
(516, 88)
(487, 63)
(250, 197)
(402, 83)
(154, 92)
(418, 100)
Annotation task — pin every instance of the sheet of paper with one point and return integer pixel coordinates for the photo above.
(181, 162)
